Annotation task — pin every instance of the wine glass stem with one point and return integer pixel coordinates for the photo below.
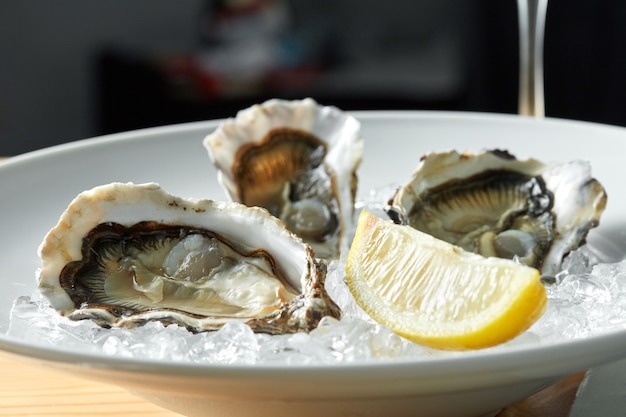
(532, 20)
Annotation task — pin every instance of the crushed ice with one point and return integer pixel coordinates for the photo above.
(585, 299)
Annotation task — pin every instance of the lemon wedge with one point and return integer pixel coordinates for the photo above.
(436, 294)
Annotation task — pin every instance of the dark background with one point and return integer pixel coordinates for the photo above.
(72, 69)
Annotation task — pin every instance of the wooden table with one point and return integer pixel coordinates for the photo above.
(29, 390)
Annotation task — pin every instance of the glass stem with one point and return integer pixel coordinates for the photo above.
(532, 20)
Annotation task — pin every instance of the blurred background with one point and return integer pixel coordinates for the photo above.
(73, 69)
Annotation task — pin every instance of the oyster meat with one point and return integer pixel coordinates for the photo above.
(297, 159)
(125, 254)
(496, 205)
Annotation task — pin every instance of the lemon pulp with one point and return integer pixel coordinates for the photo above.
(437, 294)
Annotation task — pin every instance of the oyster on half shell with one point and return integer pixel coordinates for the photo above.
(125, 254)
(496, 205)
(298, 160)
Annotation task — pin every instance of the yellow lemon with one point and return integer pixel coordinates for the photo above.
(437, 294)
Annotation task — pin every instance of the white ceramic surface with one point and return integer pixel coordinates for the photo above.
(36, 187)
(602, 392)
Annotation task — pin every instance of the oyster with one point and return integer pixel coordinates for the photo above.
(496, 205)
(297, 159)
(125, 254)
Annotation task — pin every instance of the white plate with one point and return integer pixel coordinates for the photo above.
(36, 187)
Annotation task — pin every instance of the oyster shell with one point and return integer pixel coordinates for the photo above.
(496, 205)
(124, 254)
(297, 159)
